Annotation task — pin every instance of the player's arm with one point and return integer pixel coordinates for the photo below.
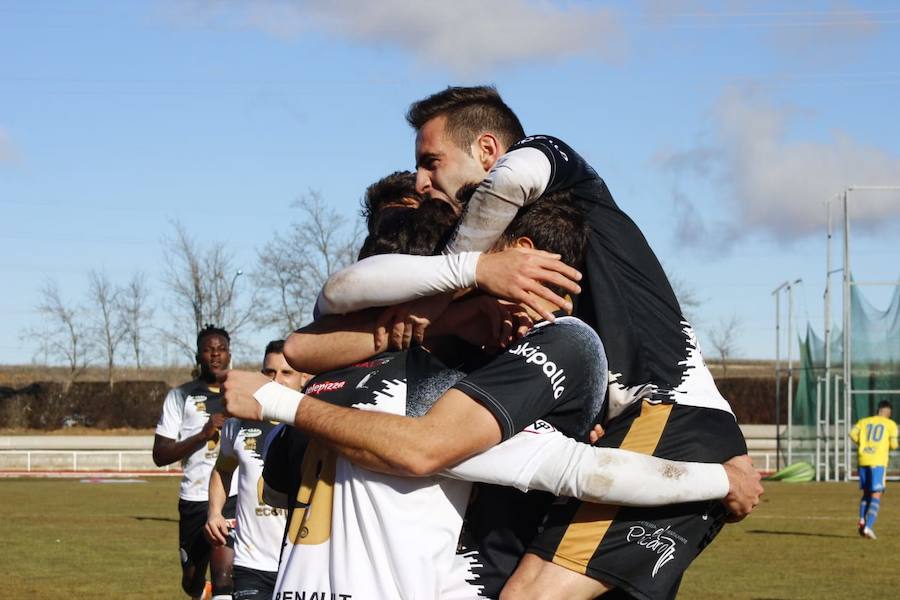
(554, 463)
(334, 341)
(216, 528)
(455, 428)
(854, 433)
(895, 443)
(166, 448)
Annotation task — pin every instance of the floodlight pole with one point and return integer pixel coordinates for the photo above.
(777, 293)
(790, 344)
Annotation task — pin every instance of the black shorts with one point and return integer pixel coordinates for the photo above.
(251, 584)
(645, 551)
(192, 516)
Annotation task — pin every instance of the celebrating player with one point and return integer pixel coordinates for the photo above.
(188, 431)
(259, 527)
(875, 437)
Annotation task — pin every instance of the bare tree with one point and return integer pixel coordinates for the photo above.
(134, 306)
(293, 266)
(108, 328)
(687, 296)
(66, 336)
(203, 286)
(724, 338)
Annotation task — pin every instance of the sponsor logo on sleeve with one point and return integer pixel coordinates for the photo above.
(325, 386)
(534, 356)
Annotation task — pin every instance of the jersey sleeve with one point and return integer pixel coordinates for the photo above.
(854, 434)
(895, 443)
(169, 424)
(535, 377)
(552, 462)
(517, 179)
(276, 465)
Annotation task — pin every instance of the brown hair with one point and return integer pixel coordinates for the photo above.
(470, 111)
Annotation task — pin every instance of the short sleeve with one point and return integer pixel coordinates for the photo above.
(543, 376)
(281, 468)
(567, 168)
(169, 424)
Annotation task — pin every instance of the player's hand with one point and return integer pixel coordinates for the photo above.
(520, 275)
(596, 433)
(744, 487)
(213, 425)
(216, 530)
(238, 388)
(399, 326)
(490, 323)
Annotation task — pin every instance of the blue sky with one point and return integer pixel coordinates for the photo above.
(720, 127)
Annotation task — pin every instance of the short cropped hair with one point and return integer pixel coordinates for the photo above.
(423, 231)
(210, 330)
(885, 404)
(274, 347)
(393, 188)
(555, 224)
(470, 111)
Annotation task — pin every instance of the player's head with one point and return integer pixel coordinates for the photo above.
(460, 134)
(405, 230)
(555, 224)
(396, 190)
(276, 367)
(885, 409)
(213, 352)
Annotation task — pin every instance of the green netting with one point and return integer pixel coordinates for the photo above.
(874, 354)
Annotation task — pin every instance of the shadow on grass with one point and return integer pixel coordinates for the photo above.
(800, 533)
(163, 519)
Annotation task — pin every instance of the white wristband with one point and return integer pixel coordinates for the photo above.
(279, 403)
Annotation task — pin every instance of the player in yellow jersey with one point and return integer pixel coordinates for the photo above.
(875, 436)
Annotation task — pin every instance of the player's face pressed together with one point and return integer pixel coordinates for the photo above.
(214, 356)
(443, 167)
(276, 368)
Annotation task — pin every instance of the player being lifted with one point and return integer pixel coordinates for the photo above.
(259, 527)
(875, 437)
(660, 390)
(188, 431)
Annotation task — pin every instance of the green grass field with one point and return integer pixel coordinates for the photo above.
(66, 539)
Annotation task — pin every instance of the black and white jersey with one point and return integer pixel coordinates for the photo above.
(186, 410)
(554, 377)
(626, 296)
(259, 527)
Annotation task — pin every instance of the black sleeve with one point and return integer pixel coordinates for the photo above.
(567, 168)
(541, 377)
(281, 470)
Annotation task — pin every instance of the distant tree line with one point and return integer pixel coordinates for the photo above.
(117, 322)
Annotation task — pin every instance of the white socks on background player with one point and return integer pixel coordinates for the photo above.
(279, 403)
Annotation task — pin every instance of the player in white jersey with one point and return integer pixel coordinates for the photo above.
(324, 518)
(259, 527)
(188, 431)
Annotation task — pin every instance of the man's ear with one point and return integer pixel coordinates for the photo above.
(488, 150)
(523, 242)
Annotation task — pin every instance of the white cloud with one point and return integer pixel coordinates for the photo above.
(772, 184)
(464, 36)
(8, 151)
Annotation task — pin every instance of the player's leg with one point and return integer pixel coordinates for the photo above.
(864, 479)
(875, 488)
(221, 559)
(538, 578)
(193, 547)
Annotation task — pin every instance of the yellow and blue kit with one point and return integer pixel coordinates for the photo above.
(876, 437)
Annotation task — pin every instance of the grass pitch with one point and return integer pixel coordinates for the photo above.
(67, 539)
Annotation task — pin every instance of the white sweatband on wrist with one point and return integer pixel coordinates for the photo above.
(279, 403)
(365, 284)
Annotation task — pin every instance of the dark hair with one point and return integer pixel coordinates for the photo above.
(407, 230)
(274, 347)
(387, 190)
(210, 330)
(885, 404)
(470, 111)
(555, 224)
